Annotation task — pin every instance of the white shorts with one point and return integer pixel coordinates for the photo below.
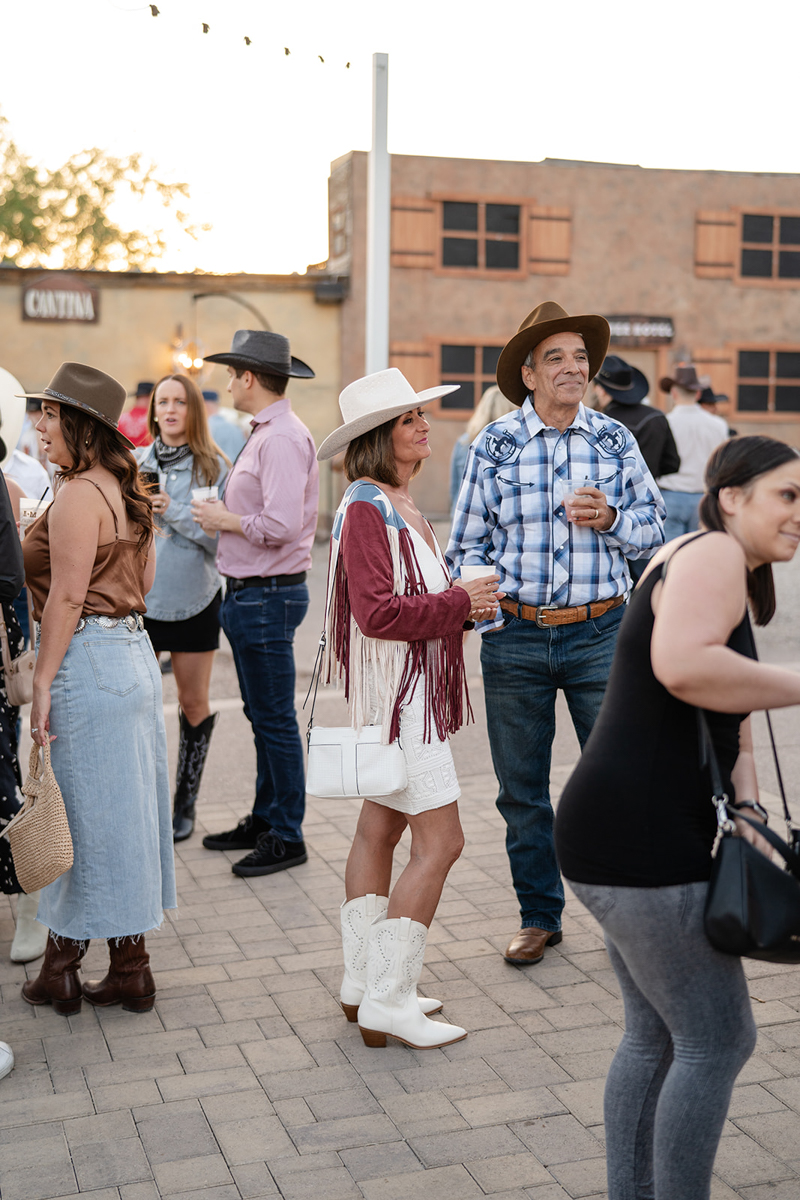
(432, 781)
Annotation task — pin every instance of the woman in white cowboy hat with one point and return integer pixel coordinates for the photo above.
(89, 563)
(394, 625)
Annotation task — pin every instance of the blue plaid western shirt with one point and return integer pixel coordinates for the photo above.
(509, 511)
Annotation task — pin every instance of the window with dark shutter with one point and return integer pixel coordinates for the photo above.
(768, 381)
(481, 237)
(770, 248)
(473, 368)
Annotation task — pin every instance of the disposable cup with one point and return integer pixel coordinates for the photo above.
(470, 573)
(29, 510)
(162, 481)
(568, 489)
(204, 493)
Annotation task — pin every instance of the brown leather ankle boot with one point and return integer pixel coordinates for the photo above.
(57, 982)
(129, 981)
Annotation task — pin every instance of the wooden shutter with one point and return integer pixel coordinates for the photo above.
(549, 241)
(415, 360)
(720, 365)
(413, 232)
(716, 236)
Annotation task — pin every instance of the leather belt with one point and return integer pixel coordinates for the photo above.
(236, 585)
(547, 615)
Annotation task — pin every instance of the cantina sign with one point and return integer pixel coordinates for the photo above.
(60, 298)
(641, 331)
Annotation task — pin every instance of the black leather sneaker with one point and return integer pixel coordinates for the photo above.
(244, 837)
(271, 854)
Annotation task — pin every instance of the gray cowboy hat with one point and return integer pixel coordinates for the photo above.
(545, 320)
(90, 390)
(256, 349)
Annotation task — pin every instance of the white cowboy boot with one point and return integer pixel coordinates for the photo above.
(6, 1060)
(356, 917)
(30, 938)
(395, 952)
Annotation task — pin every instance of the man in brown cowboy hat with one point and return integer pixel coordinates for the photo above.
(697, 434)
(267, 523)
(555, 498)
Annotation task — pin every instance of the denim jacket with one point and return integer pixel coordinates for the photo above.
(186, 577)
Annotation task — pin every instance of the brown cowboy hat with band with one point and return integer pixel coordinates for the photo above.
(684, 377)
(90, 390)
(543, 322)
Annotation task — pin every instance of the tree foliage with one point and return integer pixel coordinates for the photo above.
(62, 218)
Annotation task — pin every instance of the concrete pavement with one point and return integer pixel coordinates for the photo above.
(246, 1080)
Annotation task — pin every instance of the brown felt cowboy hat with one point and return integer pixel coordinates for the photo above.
(684, 377)
(543, 322)
(92, 391)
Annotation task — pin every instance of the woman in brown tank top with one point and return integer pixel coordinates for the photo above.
(89, 563)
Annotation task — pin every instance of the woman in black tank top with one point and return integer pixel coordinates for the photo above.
(635, 824)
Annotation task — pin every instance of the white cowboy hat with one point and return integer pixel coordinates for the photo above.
(12, 415)
(373, 400)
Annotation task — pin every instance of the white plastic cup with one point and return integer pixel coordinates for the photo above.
(162, 481)
(477, 572)
(29, 510)
(569, 487)
(199, 495)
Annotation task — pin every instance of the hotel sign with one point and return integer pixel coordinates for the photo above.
(641, 331)
(60, 298)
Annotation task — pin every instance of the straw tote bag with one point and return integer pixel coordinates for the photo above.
(41, 843)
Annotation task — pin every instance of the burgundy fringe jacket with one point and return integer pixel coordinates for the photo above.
(380, 617)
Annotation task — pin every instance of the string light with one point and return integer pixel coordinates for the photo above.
(155, 11)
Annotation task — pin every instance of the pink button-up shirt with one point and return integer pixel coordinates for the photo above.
(274, 487)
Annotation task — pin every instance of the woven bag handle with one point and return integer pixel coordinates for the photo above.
(37, 771)
(33, 785)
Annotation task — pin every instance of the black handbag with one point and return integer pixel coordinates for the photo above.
(753, 904)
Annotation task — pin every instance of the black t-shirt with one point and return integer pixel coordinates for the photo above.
(637, 811)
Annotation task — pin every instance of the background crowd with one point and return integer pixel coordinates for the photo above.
(563, 497)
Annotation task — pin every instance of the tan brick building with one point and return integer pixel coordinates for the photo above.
(700, 265)
(138, 326)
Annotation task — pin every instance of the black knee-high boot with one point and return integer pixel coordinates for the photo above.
(192, 752)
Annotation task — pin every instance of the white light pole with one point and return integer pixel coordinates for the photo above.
(378, 223)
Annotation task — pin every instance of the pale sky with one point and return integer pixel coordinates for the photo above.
(692, 84)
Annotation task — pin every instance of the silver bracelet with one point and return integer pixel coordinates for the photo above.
(757, 808)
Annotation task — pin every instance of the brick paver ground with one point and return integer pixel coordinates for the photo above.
(246, 1080)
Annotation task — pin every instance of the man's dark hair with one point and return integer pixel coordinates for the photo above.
(271, 383)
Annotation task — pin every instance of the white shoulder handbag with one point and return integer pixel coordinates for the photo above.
(349, 762)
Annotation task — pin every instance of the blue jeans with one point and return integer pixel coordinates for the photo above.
(260, 623)
(682, 515)
(523, 668)
(689, 1030)
(110, 759)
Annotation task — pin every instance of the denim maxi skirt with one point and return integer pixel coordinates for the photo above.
(110, 760)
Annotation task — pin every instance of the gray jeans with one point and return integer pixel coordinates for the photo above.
(689, 1030)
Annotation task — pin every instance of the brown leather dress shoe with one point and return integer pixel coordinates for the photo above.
(527, 946)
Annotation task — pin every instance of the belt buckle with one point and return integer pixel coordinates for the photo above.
(235, 585)
(539, 610)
